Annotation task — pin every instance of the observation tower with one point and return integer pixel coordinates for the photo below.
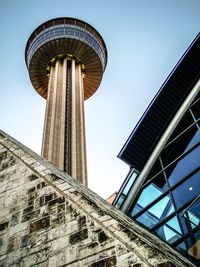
(66, 58)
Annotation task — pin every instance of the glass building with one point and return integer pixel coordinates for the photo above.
(162, 189)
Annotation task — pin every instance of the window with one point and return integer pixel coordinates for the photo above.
(185, 166)
(155, 170)
(180, 145)
(170, 231)
(191, 215)
(126, 188)
(150, 193)
(157, 212)
(187, 190)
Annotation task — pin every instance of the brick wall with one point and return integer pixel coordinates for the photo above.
(48, 219)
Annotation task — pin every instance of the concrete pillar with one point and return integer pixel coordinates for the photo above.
(64, 128)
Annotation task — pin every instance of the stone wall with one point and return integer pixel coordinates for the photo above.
(48, 219)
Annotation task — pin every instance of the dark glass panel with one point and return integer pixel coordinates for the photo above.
(191, 216)
(184, 142)
(184, 167)
(195, 139)
(127, 186)
(196, 109)
(187, 190)
(130, 183)
(55, 32)
(186, 121)
(182, 247)
(120, 201)
(154, 170)
(170, 231)
(157, 212)
(160, 182)
(150, 193)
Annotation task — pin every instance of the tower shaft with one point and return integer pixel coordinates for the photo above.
(64, 128)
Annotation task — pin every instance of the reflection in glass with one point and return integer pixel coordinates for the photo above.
(191, 215)
(120, 201)
(159, 181)
(150, 193)
(187, 190)
(131, 178)
(157, 212)
(185, 166)
(180, 145)
(170, 231)
(130, 183)
(181, 247)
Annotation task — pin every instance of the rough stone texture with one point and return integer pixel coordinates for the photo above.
(48, 219)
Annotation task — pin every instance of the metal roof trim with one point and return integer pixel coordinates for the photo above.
(155, 99)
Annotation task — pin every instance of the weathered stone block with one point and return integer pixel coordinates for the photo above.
(61, 208)
(58, 220)
(3, 156)
(102, 237)
(41, 185)
(24, 241)
(79, 236)
(2, 262)
(31, 190)
(33, 177)
(15, 219)
(40, 224)
(3, 226)
(2, 176)
(49, 197)
(36, 259)
(28, 210)
(29, 213)
(81, 222)
(107, 262)
(3, 244)
(13, 243)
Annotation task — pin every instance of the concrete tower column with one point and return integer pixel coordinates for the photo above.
(64, 126)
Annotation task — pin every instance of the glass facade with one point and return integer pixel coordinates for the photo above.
(168, 202)
(125, 189)
(67, 31)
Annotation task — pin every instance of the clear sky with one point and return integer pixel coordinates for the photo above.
(144, 38)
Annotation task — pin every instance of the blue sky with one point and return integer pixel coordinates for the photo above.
(144, 38)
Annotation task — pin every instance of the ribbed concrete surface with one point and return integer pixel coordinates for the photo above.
(64, 127)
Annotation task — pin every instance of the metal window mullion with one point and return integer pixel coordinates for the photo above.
(165, 193)
(181, 133)
(169, 217)
(174, 161)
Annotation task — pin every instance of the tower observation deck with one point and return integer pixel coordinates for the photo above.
(66, 58)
